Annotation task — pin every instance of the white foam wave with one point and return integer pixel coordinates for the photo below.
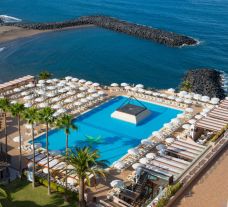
(1, 49)
(9, 19)
(224, 79)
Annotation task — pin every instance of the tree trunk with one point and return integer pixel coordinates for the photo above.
(82, 202)
(34, 163)
(6, 138)
(66, 157)
(49, 189)
(19, 133)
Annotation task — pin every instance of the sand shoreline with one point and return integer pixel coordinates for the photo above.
(9, 33)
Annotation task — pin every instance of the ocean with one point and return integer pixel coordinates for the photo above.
(105, 56)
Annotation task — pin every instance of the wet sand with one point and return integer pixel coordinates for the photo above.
(211, 188)
(8, 33)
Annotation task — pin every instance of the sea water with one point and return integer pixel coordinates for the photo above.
(105, 56)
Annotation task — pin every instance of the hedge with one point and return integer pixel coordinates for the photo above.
(218, 134)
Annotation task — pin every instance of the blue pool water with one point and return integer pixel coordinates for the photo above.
(112, 137)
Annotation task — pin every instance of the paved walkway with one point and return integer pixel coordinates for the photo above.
(210, 189)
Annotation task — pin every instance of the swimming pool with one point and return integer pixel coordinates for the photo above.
(112, 137)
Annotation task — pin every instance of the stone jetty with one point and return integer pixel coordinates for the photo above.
(160, 36)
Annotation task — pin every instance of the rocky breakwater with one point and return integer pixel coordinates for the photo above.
(145, 32)
(205, 81)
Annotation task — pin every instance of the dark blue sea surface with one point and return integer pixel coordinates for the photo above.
(105, 56)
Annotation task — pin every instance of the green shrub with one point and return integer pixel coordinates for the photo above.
(162, 202)
(60, 189)
(219, 133)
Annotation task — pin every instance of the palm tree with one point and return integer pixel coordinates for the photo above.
(4, 107)
(44, 75)
(85, 162)
(65, 122)
(17, 110)
(186, 86)
(45, 116)
(3, 195)
(31, 116)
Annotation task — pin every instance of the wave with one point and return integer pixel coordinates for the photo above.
(1, 49)
(9, 19)
(224, 80)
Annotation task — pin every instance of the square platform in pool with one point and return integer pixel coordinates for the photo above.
(131, 113)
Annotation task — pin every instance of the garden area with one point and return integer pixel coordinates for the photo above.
(23, 195)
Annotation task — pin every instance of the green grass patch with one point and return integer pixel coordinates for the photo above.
(23, 195)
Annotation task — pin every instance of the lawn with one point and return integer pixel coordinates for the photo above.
(23, 195)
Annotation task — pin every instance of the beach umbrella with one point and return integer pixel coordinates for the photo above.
(192, 121)
(13, 102)
(88, 83)
(81, 95)
(197, 96)
(179, 100)
(215, 100)
(156, 94)
(144, 160)
(40, 85)
(41, 81)
(182, 93)
(90, 98)
(83, 88)
(134, 89)
(101, 93)
(150, 155)
(226, 98)
(96, 84)
(68, 100)
(56, 114)
(124, 84)
(71, 181)
(148, 92)
(16, 139)
(139, 86)
(62, 90)
(28, 97)
(56, 99)
(133, 151)
(171, 97)
(203, 113)
(82, 81)
(186, 126)
(27, 105)
(95, 95)
(74, 79)
(30, 85)
(175, 121)
(127, 87)
(41, 92)
(171, 90)
(68, 78)
(189, 110)
(119, 165)
(51, 87)
(62, 110)
(114, 85)
(206, 110)
(198, 116)
(40, 99)
(61, 84)
(163, 95)
(57, 106)
(45, 170)
(141, 90)
(49, 81)
(137, 165)
(25, 93)
(50, 95)
(91, 90)
(84, 100)
(188, 96)
(71, 93)
(188, 101)
(147, 142)
(205, 98)
(43, 105)
(117, 184)
(169, 140)
(160, 146)
(77, 103)
(17, 90)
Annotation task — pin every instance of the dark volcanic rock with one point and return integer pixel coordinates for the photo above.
(160, 36)
(206, 82)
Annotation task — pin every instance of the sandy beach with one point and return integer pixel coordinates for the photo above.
(8, 33)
